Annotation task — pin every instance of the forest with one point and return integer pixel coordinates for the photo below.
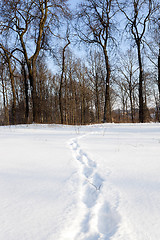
(97, 61)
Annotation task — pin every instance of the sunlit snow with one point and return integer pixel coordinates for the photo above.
(97, 182)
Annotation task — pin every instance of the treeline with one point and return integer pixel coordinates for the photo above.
(116, 80)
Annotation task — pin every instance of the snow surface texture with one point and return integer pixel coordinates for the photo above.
(98, 182)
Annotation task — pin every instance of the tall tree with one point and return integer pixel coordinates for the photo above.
(29, 22)
(3, 78)
(8, 60)
(137, 13)
(153, 50)
(95, 25)
(127, 79)
(61, 80)
(159, 58)
(97, 75)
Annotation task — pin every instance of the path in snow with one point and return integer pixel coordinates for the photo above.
(103, 186)
(100, 221)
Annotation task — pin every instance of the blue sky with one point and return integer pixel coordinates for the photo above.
(74, 2)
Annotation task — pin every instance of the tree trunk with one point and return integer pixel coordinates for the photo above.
(5, 104)
(32, 77)
(83, 105)
(26, 92)
(141, 107)
(97, 100)
(123, 107)
(107, 105)
(131, 100)
(159, 71)
(60, 96)
(13, 92)
(61, 82)
(67, 120)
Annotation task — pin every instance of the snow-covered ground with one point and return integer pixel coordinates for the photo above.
(98, 182)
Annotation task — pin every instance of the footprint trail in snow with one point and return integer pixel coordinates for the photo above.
(100, 221)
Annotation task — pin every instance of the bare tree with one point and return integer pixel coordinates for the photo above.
(159, 58)
(127, 79)
(96, 25)
(28, 22)
(137, 13)
(153, 43)
(61, 79)
(3, 78)
(96, 75)
(11, 70)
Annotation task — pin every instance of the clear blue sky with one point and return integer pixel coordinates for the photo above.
(74, 2)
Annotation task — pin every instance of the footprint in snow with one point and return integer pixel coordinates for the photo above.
(97, 181)
(87, 171)
(108, 220)
(107, 217)
(85, 223)
(78, 154)
(90, 196)
(74, 146)
(88, 161)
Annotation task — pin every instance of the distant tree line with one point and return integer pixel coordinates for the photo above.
(117, 78)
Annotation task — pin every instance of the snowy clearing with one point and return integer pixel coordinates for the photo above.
(98, 182)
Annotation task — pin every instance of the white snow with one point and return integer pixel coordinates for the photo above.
(97, 182)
